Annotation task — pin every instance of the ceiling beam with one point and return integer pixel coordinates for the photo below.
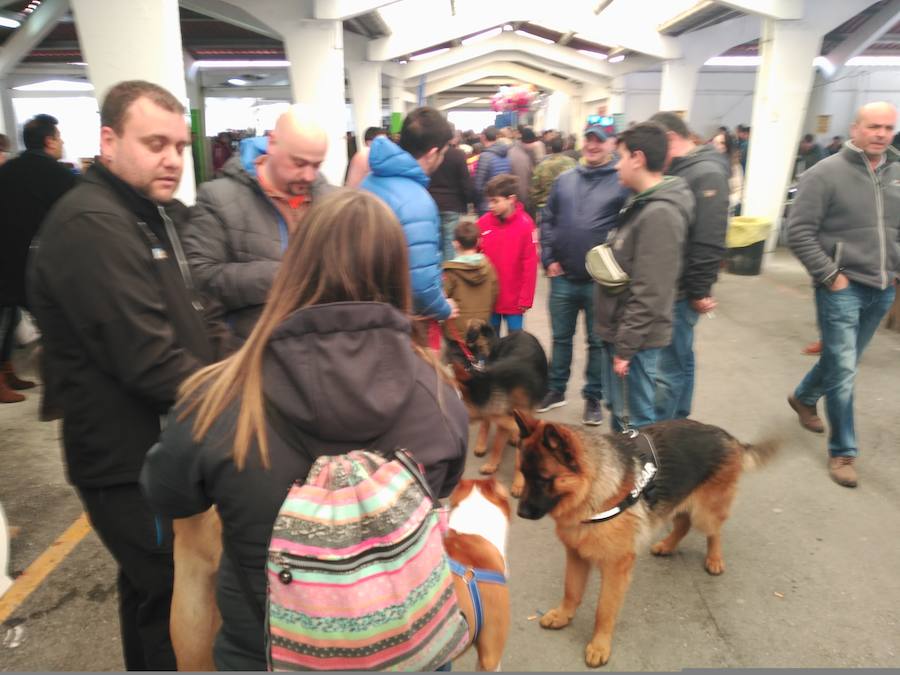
(770, 9)
(31, 33)
(229, 13)
(340, 10)
(510, 70)
(873, 28)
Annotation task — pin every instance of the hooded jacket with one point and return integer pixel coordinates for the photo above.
(846, 218)
(472, 282)
(451, 184)
(704, 246)
(236, 237)
(122, 327)
(491, 162)
(346, 376)
(582, 208)
(648, 246)
(401, 183)
(509, 245)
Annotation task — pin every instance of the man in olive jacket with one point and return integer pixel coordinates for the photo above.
(845, 229)
(123, 328)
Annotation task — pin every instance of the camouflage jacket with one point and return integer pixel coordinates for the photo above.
(544, 175)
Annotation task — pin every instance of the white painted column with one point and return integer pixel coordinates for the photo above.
(577, 116)
(316, 52)
(397, 102)
(365, 94)
(557, 115)
(135, 40)
(679, 82)
(8, 117)
(616, 101)
(818, 105)
(783, 85)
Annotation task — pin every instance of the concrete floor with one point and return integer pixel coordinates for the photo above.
(812, 568)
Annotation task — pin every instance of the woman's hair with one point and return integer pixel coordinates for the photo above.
(731, 147)
(349, 248)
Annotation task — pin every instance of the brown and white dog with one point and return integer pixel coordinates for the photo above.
(476, 546)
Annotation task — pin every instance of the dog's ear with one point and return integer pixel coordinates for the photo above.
(487, 330)
(526, 424)
(558, 444)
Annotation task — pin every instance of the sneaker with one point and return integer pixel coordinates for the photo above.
(552, 400)
(593, 412)
(809, 418)
(842, 471)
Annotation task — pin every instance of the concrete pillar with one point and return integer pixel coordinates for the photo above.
(397, 102)
(577, 116)
(783, 85)
(818, 105)
(679, 82)
(197, 100)
(365, 94)
(8, 119)
(616, 103)
(316, 52)
(135, 40)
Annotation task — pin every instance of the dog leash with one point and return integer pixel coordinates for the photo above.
(457, 338)
(472, 576)
(643, 484)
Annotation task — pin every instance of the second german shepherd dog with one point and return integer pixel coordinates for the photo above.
(509, 373)
(573, 476)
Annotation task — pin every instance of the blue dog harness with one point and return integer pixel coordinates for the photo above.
(472, 576)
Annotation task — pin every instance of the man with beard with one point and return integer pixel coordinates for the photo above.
(241, 223)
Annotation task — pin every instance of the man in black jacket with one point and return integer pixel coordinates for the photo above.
(29, 186)
(122, 328)
(704, 246)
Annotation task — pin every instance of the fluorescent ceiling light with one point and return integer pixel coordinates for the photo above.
(7, 22)
(593, 55)
(205, 65)
(56, 85)
(76, 63)
(426, 55)
(734, 61)
(493, 32)
(535, 37)
(617, 59)
(238, 82)
(874, 61)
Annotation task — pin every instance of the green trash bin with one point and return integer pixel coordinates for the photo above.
(746, 243)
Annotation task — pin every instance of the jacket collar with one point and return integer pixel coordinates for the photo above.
(855, 155)
(137, 203)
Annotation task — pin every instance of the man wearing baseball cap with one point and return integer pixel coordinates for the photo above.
(583, 206)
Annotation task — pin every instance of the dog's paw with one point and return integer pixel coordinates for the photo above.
(518, 486)
(597, 652)
(714, 566)
(480, 452)
(661, 548)
(555, 619)
(488, 468)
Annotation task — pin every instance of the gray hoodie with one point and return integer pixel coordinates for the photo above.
(648, 245)
(846, 218)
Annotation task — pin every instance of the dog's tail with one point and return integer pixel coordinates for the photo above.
(759, 454)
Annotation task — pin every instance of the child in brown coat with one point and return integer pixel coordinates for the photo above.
(470, 280)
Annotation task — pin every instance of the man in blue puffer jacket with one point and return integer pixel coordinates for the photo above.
(399, 176)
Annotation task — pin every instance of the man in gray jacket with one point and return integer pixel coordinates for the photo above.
(241, 223)
(845, 229)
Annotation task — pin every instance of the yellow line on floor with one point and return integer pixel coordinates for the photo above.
(27, 582)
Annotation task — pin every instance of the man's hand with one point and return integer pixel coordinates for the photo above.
(840, 283)
(620, 366)
(704, 305)
(554, 269)
(454, 308)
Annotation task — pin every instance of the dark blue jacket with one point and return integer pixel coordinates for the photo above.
(399, 181)
(491, 162)
(583, 207)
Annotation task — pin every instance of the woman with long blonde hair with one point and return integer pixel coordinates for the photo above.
(333, 353)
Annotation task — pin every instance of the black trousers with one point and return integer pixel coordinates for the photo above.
(9, 319)
(141, 544)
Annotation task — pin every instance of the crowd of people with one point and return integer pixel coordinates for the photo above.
(331, 305)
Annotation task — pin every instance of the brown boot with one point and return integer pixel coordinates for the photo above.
(7, 395)
(809, 418)
(842, 471)
(12, 381)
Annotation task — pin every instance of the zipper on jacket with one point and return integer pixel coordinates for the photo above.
(838, 250)
(879, 215)
(180, 257)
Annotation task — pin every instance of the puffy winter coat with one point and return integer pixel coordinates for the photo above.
(491, 162)
(346, 376)
(401, 183)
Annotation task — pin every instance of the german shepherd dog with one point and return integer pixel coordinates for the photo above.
(575, 475)
(508, 373)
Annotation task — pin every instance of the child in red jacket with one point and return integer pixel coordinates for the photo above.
(507, 239)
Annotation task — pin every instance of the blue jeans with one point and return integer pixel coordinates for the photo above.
(847, 321)
(514, 322)
(449, 221)
(641, 386)
(675, 368)
(567, 299)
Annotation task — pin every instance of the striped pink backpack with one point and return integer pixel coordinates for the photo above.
(357, 574)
